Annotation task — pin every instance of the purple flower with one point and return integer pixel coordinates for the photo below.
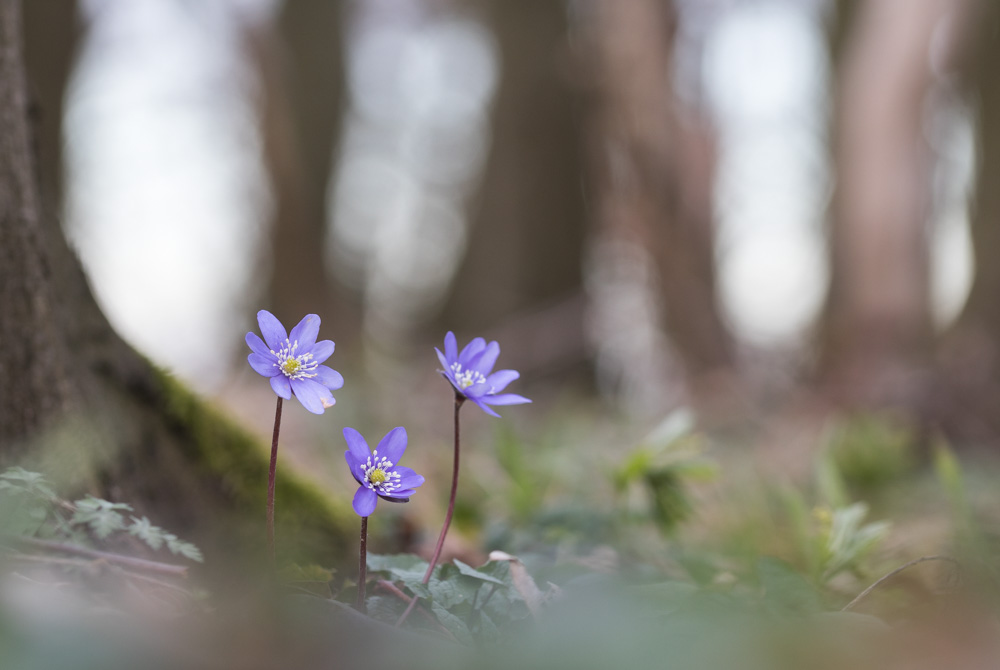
(292, 361)
(471, 373)
(377, 472)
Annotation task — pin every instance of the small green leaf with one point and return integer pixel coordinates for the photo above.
(101, 516)
(185, 549)
(469, 571)
(147, 532)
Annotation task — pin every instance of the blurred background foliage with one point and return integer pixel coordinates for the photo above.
(740, 250)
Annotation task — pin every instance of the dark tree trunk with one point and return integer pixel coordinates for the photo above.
(300, 62)
(52, 31)
(33, 357)
(653, 174)
(528, 221)
(81, 405)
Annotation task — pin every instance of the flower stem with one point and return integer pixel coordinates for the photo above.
(270, 485)
(363, 567)
(459, 399)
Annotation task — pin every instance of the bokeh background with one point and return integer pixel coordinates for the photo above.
(777, 215)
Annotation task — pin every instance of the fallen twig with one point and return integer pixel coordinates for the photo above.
(119, 559)
(886, 577)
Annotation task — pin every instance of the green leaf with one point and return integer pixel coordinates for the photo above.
(152, 535)
(469, 571)
(31, 482)
(407, 568)
(786, 588)
(383, 608)
(101, 516)
(486, 628)
(849, 540)
(449, 587)
(455, 625)
(185, 549)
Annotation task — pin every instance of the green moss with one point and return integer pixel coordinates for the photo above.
(871, 451)
(307, 522)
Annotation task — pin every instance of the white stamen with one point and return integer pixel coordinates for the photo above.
(295, 367)
(467, 378)
(391, 479)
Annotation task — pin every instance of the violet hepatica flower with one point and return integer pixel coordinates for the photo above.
(293, 360)
(378, 473)
(471, 373)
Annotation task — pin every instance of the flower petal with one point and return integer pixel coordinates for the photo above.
(498, 380)
(393, 444)
(444, 361)
(476, 391)
(281, 386)
(450, 348)
(353, 465)
(305, 332)
(472, 349)
(264, 366)
(485, 361)
(504, 399)
(322, 350)
(356, 445)
(272, 330)
(364, 501)
(257, 345)
(408, 479)
(398, 493)
(329, 378)
(314, 396)
(483, 407)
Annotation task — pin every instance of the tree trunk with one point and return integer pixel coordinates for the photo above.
(52, 31)
(528, 221)
(33, 357)
(300, 64)
(82, 406)
(879, 320)
(969, 390)
(653, 175)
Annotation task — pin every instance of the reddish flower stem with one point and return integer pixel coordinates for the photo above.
(459, 399)
(363, 567)
(270, 485)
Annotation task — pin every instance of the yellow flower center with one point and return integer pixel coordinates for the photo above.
(291, 366)
(377, 476)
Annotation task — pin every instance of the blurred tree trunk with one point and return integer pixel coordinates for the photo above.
(528, 221)
(300, 62)
(879, 329)
(80, 404)
(969, 389)
(52, 31)
(33, 356)
(652, 179)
